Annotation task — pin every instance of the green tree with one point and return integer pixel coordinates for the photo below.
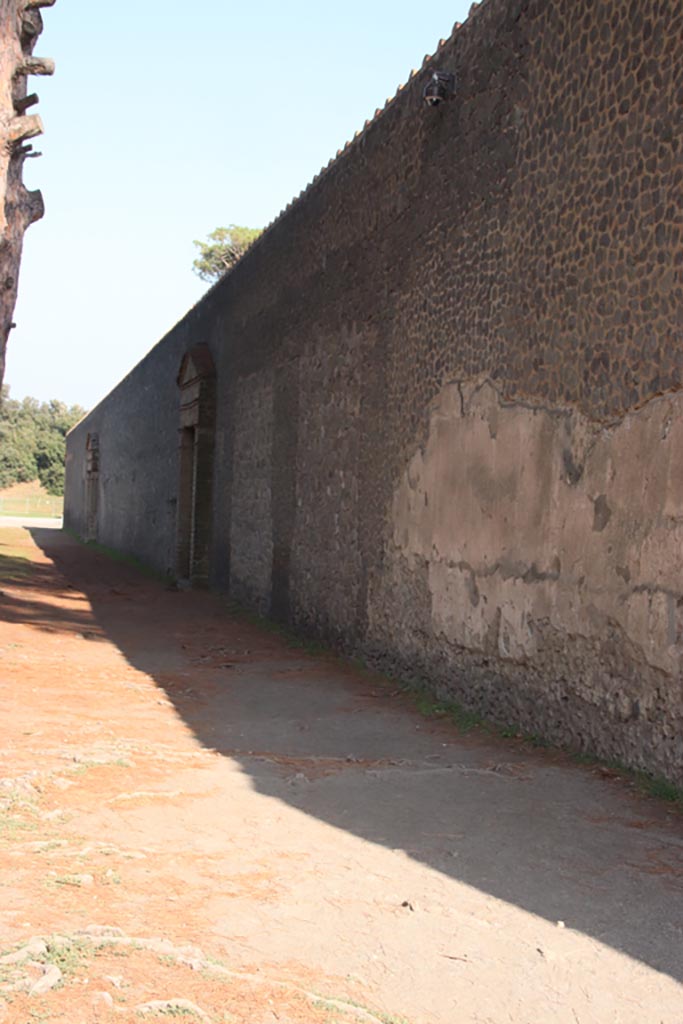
(222, 249)
(50, 448)
(33, 440)
(17, 463)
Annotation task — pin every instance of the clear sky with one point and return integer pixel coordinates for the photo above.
(166, 119)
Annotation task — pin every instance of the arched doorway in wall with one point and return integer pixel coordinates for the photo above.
(197, 383)
(92, 485)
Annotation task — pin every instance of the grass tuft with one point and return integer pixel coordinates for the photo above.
(428, 706)
(12, 827)
(67, 954)
(72, 880)
(170, 1011)
(660, 788)
(331, 1006)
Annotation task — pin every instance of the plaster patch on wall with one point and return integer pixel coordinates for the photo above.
(525, 515)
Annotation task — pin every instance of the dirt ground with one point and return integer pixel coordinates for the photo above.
(198, 819)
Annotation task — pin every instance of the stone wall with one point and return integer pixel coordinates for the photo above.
(448, 387)
(251, 534)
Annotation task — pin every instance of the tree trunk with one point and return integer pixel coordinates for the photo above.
(20, 25)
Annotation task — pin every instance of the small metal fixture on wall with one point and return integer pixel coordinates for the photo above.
(440, 87)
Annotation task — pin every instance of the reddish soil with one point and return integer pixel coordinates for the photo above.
(192, 809)
(82, 732)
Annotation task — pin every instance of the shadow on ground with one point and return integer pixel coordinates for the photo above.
(528, 827)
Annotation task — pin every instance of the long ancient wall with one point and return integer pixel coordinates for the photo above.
(448, 406)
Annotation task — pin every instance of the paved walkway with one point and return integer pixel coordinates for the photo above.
(51, 522)
(205, 813)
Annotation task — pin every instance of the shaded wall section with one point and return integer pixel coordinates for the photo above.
(447, 387)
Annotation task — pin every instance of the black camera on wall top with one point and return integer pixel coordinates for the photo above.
(439, 88)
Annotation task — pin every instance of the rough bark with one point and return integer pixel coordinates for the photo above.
(20, 25)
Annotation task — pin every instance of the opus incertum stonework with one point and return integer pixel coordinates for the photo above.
(448, 434)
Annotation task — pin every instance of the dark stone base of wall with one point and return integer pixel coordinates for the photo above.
(519, 697)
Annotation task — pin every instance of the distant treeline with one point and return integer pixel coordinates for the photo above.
(32, 444)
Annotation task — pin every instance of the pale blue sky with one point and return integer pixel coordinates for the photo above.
(163, 121)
